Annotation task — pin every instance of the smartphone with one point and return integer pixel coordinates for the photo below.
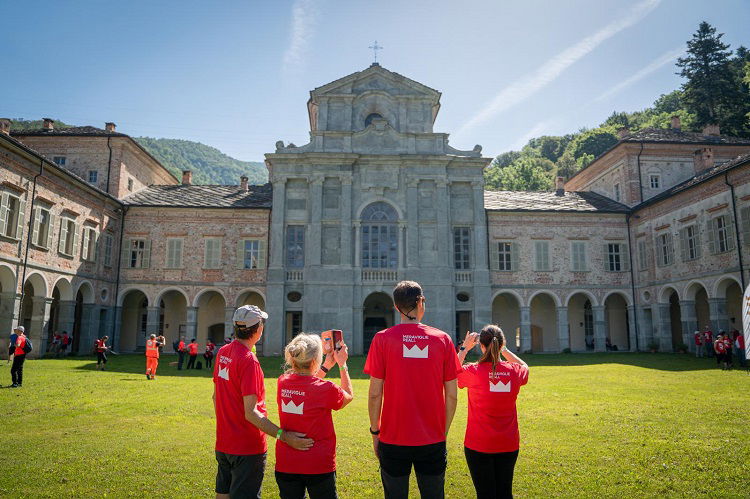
(327, 337)
(338, 337)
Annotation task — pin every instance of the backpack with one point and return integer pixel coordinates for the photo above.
(176, 344)
(27, 346)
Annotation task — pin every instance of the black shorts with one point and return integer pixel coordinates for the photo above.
(101, 357)
(397, 460)
(240, 476)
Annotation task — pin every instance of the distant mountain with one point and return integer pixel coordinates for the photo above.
(208, 164)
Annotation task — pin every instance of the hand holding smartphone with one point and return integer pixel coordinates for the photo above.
(338, 339)
(327, 337)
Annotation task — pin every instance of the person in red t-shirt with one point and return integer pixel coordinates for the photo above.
(491, 441)
(698, 344)
(208, 355)
(727, 350)
(180, 352)
(708, 341)
(64, 343)
(739, 347)
(412, 397)
(240, 405)
(19, 356)
(192, 349)
(100, 346)
(305, 404)
(720, 350)
(152, 356)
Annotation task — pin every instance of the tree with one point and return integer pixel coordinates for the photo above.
(524, 174)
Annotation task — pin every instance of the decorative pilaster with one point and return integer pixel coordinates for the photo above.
(480, 226)
(664, 324)
(346, 221)
(313, 244)
(632, 328)
(443, 228)
(689, 323)
(525, 329)
(276, 239)
(357, 243)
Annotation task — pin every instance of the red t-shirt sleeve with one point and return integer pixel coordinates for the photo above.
(464, 377)
(334, 397)
(451, 364)
(249, 378)
(374, 365)
(523, 373)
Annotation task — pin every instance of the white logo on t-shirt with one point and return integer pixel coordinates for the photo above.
(415, 352)
(224, 373)
(500, 386)
(291, 408)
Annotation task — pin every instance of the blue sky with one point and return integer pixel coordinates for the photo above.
(238, 77)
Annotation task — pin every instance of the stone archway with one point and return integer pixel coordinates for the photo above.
(581, 323)
(210, 313)
(544, 324)
(134, 319)
(172, 316)
(85, 325)
(675, 319)
(506, 313)
(7, 297)
(377, 314)
(617, 322)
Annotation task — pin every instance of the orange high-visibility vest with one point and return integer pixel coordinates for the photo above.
(152, 349)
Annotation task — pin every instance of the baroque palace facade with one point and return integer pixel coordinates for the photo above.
(645, 245)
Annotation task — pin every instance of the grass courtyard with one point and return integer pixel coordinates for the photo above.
(614, 425)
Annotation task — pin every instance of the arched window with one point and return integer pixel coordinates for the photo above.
(370, 117)
(379, 236)
(588, 325)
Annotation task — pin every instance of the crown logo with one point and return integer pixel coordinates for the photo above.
(224, 373)
(415, 352)
(291, 408)
(500, 386)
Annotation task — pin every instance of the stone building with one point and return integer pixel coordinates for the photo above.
(642, 247)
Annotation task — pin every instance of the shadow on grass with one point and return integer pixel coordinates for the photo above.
(659, 361)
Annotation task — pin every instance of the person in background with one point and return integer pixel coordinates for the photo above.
(305, 403)
(739, 348)
(12, 341)
(719, 351)
(152, 356)
(192, 353)
(727, 350)
(492, 440)
(698, 344)
(180, 353)
(101, 347)
(208, 355)
(64, 343)
(240, 406)
(161, 340)
(19, 356)
(708, 341)
(412, 397)
(55, 345)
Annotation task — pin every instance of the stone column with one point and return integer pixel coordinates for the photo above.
(346, 221)
(600, 329)
(228, 323)
(412, 220)
(689, 322)
(563, 330)
(8, 306)
(525, 329)
(443, 221)
(313, 243)
(401, 243)
(717, 313)
(632, 329)
(89, 327)
(39, 322)
(357, 244)
(117, 318)
(191, 323)
(66, 311)
(664, 325)
(276, 236)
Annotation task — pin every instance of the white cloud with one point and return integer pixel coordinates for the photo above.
(304, 19)
(652, 67)
(548, 72)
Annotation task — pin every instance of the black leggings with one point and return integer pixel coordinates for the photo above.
(191, 362)
(293, 485)
(492, 474)
(101, 358)
(16, 370)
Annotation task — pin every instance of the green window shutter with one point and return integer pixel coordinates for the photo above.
(745, 216)
(241, 254)
(85, 241)
(75, 240)
(684, 245)
(261, 254)
(95, 236)
(50, 231)
(21, 213)
(731, 238)
(125, 254)
(605, 252)
(37, 216)
(625, 256)
(514, 261)
(178, 252)
(698, 245)
(63, 235)
(4, 213)
(495, 256)
(711, 234)
(146, 261)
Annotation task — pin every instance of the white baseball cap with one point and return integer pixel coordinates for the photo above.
(248, 315)
(20, 328)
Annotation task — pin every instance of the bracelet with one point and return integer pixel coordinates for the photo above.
(279, 433)
(372, 432)
(461, 348)
(324, 369)
(344, 368)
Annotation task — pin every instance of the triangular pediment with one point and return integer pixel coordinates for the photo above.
(376, 78)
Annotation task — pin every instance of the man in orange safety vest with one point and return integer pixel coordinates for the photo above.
(152, 356)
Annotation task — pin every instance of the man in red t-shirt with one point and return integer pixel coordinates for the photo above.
(698, 344)
(240, 405)
(180, 353)
(18, 354)
(64, 343)
(192, 353)
(101, 352)
(708, 341)
(412, 399)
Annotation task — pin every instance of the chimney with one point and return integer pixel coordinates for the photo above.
(560, 186)
(703, 159)
(243, 184)
(48, 123)
(675, 122)
(109, 126)
(187, 177)
(711, 129)
(5, 126)
(622, 132)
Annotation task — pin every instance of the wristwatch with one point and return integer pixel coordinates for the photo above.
(374, 432)
(324, 369)
(461, 348)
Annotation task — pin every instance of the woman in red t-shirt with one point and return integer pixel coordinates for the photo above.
(209, 353)
(305, 404)
(720, 350)
(491, 442)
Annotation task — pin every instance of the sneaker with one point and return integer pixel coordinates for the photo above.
(14, 385)
(148, 376)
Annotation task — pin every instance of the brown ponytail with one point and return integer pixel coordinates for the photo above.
(492, 339)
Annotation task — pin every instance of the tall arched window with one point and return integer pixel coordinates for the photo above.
(379, 236)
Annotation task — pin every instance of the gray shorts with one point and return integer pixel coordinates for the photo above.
(240, 476)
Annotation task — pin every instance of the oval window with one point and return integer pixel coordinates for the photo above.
(462, 297)
(294, 296)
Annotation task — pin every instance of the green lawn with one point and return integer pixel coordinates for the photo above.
(615, 425)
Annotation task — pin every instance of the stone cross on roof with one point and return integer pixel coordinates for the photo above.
(375, 47)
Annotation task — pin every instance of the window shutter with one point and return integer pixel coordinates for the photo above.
(711, 231)
(75, 240)
(146, 254)
(624, 256)
(494, 256)
(261, 254)
(63, 235)
(21, 212)
(95, 248)
(241, 254)
(745, 215)
(607, 263)
(206, 252)
(731, 238)
(697, 238)
(684, 244)
(538, 256)
(125, 254)
(37, 216)
(50, 231)
(4, 214)
(178, 253)
(514, 263)
(85, 241)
